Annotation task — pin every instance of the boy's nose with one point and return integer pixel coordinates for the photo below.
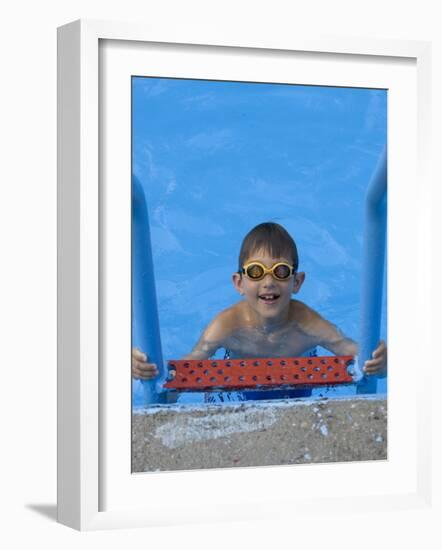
(268, 280)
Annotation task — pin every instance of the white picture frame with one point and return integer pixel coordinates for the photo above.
(81, 446)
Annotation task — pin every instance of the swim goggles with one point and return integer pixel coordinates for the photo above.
(256, 271)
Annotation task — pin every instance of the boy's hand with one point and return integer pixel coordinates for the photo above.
(378, 363)
(141, 369)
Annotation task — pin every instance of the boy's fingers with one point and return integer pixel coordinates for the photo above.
(145, 374)
(375, 361)
(143, 370)
(380, 350)
(371, 364)
(378, 362)
(141, 362)
(371, 370)
(146, 367)
(139, 355)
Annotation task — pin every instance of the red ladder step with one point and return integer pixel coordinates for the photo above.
(229, 374)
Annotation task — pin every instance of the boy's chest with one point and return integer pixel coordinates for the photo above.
(257, 343)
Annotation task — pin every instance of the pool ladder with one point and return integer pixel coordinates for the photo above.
(146, 330)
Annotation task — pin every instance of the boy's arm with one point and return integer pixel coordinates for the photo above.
(211, 339)
(332, 338)
(325, 334)
(203, 349)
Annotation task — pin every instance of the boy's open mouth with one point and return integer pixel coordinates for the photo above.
(269, 298)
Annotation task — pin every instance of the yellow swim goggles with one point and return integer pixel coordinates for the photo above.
(256, 271)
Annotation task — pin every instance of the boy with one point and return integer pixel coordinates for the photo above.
(268, 322)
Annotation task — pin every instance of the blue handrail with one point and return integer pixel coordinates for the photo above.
(373, 264)
(145, 322)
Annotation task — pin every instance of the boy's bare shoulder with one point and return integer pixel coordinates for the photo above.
(226, 322)
(306, 318)
(300, 311)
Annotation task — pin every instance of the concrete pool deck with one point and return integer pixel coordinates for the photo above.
(187, 437)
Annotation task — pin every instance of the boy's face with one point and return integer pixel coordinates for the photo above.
(268, 297)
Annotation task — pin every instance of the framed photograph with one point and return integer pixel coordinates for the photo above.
(179, 159)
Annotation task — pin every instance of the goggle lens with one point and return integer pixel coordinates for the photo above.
(255, 271)
(282, 271)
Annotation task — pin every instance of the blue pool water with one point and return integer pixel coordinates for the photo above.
(217, 158)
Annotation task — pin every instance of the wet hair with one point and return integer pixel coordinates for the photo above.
(272, 238)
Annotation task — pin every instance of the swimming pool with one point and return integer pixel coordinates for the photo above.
(217, 158)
